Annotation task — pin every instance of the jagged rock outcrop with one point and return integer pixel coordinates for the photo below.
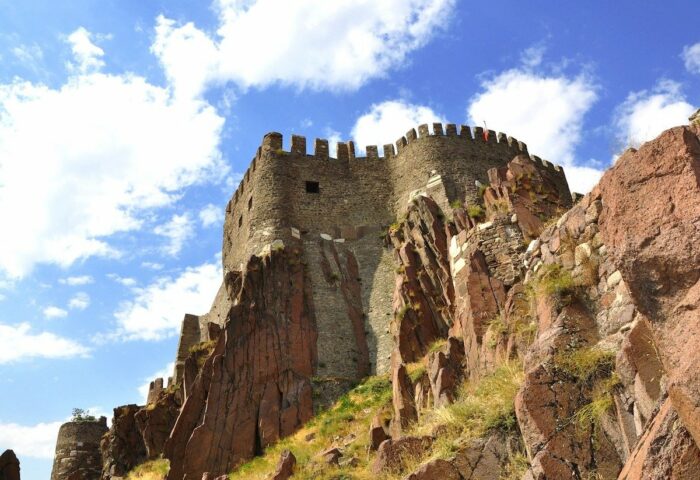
(424, 293)
(156, 420)
(255, 387)
(665, 450)
(9, 466)
(651, 223)
(122, 446)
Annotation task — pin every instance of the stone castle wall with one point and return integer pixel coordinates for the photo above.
(349, 202)
(78, 454)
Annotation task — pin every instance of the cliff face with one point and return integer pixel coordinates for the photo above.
(523, 336)
(255, 386)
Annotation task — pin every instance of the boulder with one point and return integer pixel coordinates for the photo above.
(9, 466)
(435, 469)
(377, 432)
(392, 453)
(285, 466)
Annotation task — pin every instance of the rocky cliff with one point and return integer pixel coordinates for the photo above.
(531, 338)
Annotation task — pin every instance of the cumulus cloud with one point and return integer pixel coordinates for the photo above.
(77, 280)
(30, 441)
(544, 110)
(54, 312)
(691, 58)
(178, 230)
(120, 146)
(157, 310)
(387, 121)
(29, 55)
(80, 301)
(260, 42)
(647, 113)
(18, 342)
(152, 265)
(88, 56)
(211, 215)
(125, 281)
(163, 373)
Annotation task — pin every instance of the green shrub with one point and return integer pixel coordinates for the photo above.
(456, 204)
(586, 364)
(475, 211)
(81, 415)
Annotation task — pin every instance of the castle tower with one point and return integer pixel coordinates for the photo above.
(78, 454)
(336, 211)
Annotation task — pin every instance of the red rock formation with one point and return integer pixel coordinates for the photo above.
(530, 191)
(480, 299)
(156, 421)
(285, 466)
(122, 446)
(424, 293)
(255, 387)
(651, 222)
(665, 450)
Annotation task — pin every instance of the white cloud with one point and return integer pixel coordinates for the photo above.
(54, 312)
(88, 56)
(647, 113)
(120, 147)
(77, 280)
(158, 309)
(333, 137)
(691, 58)
(164, 373)
(387, 121)
(211, 215)
(544, 111)
(80, 301)
(126, 281)
(178, 230)
(29, 55)
(30, 441)
(152, 265)
(260, 42)
(17, 342)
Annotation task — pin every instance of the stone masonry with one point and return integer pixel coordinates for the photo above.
(78, 454)
(337, 211)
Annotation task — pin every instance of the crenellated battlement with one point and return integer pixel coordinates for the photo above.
(273, 144)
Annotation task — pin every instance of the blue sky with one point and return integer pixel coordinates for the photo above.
(125, 125)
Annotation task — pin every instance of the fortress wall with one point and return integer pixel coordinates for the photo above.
(459, 159)
(190, 335)
(78, 454)
(357, 198)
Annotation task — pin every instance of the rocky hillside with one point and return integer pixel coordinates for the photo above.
(533, 338)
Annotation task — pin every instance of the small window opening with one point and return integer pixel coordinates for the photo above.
(240, 221)
(250, 203)
(313, 187)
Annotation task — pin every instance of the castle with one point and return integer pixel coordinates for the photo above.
(337, 209)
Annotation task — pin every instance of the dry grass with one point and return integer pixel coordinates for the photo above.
(151, 470)
(350, 415)
(481, 407)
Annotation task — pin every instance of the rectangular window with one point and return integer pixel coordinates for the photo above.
(313, 187)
